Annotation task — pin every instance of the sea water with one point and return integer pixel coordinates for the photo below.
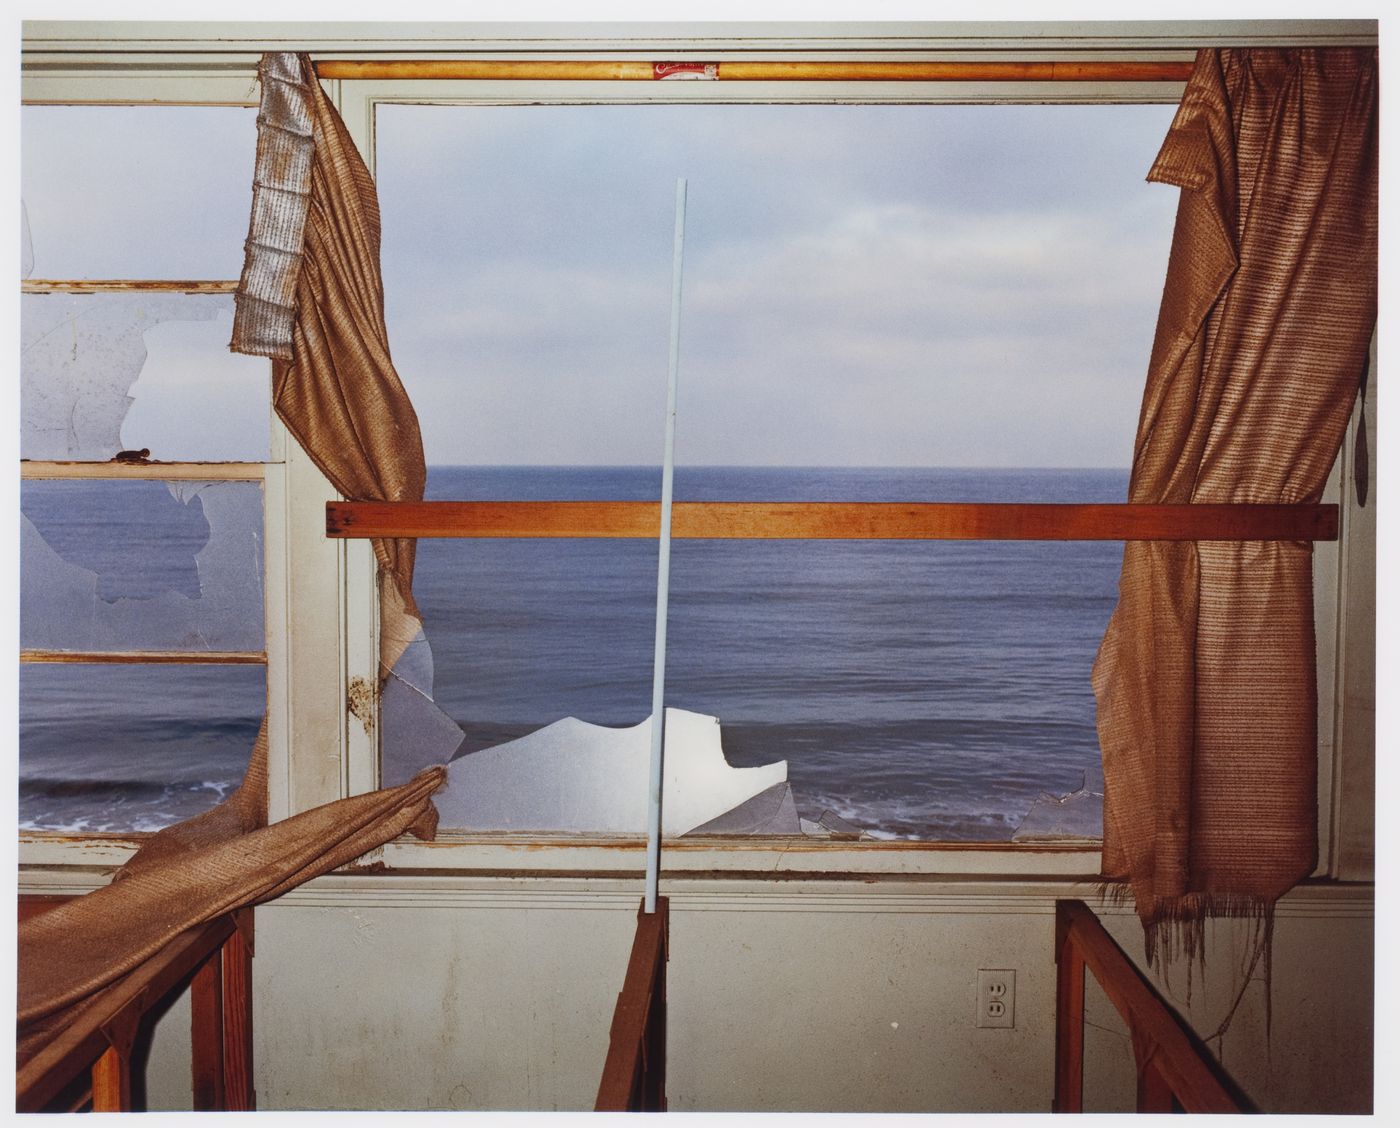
(919, 689)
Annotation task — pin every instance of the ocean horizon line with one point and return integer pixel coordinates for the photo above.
(763, 466)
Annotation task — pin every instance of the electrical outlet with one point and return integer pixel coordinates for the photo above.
(996, 998)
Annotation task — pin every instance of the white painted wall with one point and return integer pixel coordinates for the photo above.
(783, 997)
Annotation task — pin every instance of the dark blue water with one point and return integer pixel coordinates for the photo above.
(920, 689)
(924, 689)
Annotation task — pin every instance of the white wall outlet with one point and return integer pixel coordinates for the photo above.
(996, 998)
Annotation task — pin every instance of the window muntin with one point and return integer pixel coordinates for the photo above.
(865, 277)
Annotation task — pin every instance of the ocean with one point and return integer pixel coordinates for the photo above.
(927, 690)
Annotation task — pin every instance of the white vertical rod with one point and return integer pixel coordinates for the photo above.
(663, 568)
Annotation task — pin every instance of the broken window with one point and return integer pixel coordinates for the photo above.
(957, 308)
(106, 372)
(143, 680)
(141, 565)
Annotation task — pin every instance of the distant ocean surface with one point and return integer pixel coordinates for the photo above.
(919, 689)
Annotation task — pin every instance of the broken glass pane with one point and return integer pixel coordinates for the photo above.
(904, 307)
(137, 191)
(141, 565)
(118, 748)
(100, 373)
(414, 732)
(927, 690)
(574, 776)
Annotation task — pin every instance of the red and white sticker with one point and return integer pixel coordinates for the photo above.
(698, 71)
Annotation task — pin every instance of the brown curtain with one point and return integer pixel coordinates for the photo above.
(314, 249)
(311, 296)
(1206, 680)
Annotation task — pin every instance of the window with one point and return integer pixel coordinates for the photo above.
(958, 307)
(144, 443)
(319, 594)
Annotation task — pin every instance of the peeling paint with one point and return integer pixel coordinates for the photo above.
(359, 699)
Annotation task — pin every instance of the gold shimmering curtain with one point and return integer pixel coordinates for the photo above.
(1206, 680)
(311, 296)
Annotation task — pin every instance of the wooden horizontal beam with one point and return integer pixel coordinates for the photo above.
(761, 520)
(146, 657)
(125, 286)
(631, 70)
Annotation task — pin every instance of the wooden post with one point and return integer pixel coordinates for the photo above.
(634, 1074)
(111, 1082)
(654, 1043)
(207, 1035)
(237, 961)
(1153, 1092)
(1162, 1042)
(111, 1073)
(1069, 1019)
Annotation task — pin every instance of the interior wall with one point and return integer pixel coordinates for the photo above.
(783, 996)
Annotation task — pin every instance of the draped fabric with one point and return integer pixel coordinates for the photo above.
(311, 296)
(314, 243)
(1206, 681)
(191, 873)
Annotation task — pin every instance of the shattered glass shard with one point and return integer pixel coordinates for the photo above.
(575, 776)
(133, 566)
(415, 733)
(82, 354)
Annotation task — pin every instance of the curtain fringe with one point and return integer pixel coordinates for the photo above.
(1175, 928)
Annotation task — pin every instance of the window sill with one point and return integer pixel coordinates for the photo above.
(88, 858)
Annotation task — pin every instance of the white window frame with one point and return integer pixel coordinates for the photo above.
(326, 587)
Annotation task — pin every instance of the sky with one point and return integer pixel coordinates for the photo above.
(863, 285)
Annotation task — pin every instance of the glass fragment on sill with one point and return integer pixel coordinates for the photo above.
(771, 811)
(1076, 817)
(105, 372)
(831, 825)
(132, 748)
(141, 565)
(584, 778)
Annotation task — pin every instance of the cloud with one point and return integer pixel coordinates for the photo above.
(868, 285)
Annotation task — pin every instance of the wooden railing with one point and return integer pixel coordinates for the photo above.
(634, 1075)
(215, 960)
(1174, 1070)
